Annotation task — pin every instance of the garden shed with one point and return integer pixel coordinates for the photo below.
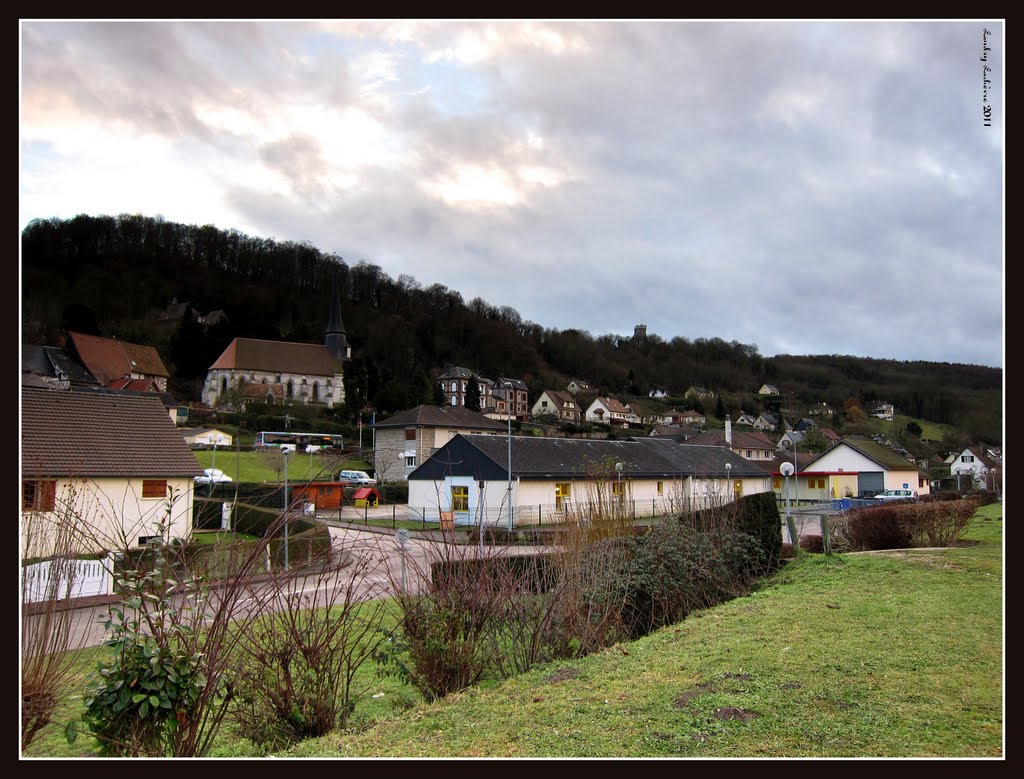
(322, 494)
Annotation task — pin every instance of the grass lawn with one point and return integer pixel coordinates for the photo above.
(259, 467)
(895, 654)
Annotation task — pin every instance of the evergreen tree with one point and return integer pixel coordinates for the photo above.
(720, 407)
(473, 395)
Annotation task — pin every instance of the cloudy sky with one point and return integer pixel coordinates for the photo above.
(811, 188)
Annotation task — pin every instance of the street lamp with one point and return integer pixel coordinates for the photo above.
(728, 478)
(984, 477)
(787, 471)
(508, 410)
(618, 473)
(285, 451)
(213, 466)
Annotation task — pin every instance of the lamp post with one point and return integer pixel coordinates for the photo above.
(618, 474)
(787, 471)
(285, 451)
(995, 488)
(213, 465)
(796, 481)
(728, 478)
(984, 477)
(508, 403)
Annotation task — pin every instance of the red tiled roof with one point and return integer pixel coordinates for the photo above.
(109, 359)
(97, 434)
(614, 406)
(278, 356)
(145, 360)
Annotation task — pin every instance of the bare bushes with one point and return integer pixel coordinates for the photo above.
(294, 669)
(903, 525)
(50, 644)
(490, 615)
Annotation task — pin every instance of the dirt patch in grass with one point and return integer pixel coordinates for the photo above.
(564, 675)
(685, 697)
(733, 712)
(922, 557)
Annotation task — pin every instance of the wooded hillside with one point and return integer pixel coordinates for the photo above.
(113, 276)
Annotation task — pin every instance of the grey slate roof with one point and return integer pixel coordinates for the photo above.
(100, 434)
(541, 458)
(441, 416)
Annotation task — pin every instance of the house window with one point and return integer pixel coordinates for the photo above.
(410, 462)
(967, 458)
(543, 404)
(618, 492)
(750, 454)
(737, 489)
(455, 400)
(777, 484)
(223, 385)
(291, 388)
(38, 495)
(410, 434)
(316, 390)
(661, 487)
(460, 498)
(563, 491)
(154, 488)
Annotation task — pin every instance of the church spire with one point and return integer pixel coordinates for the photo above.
(334, 337)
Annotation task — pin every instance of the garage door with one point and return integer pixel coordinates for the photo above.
(870, 483)
(61, 579)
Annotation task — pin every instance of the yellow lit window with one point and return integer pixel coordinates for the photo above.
(460, 498)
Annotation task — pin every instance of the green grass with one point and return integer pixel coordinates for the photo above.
(257, 467)
(896, 654)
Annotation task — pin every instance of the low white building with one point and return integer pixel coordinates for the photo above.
(558, 478)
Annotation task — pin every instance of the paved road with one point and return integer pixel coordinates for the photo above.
(374, 566)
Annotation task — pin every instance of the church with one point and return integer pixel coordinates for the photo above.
(255, 370)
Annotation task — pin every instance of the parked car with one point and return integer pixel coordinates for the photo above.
(353, 478)
(897, 495)
(212, 476)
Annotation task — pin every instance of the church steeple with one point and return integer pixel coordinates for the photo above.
(334, 337)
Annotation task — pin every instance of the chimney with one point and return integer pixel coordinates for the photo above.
(728, 431)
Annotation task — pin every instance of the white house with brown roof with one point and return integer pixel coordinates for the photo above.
(118, 364)
(308, 374)
(610, 411)
(106, 465)
(558, 404)
(749, 446)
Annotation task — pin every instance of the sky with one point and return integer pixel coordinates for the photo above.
(808, 187)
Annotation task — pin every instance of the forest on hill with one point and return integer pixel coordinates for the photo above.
(120, 276)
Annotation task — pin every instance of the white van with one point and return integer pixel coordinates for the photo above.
(362, 478)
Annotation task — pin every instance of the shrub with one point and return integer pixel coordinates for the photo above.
(904, 525)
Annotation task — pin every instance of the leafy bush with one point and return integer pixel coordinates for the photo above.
(675, 570)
